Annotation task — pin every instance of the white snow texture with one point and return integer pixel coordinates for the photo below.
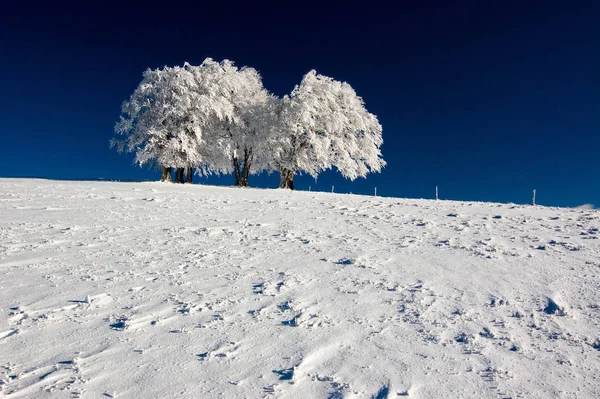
(150, 290)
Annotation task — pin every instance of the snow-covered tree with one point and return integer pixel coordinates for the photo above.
(239, 144)
(218, 118)
(324, 124)
(210, 117)
(158, 121)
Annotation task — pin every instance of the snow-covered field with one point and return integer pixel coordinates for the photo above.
(150, 290)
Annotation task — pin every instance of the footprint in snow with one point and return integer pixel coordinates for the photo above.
(286, 374)
(553, 308)
(382, 393)
(258, 288)
(284, 306)
(120, 324)
(462, 338)
(293, 322)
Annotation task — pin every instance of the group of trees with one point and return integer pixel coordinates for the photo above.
(217, 118)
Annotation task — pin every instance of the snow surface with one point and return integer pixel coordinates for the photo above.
(152, 290)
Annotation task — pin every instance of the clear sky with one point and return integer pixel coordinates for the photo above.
(486, 99)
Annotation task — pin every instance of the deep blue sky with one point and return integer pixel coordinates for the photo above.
(487, 99)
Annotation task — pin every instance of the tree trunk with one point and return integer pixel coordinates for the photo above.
(166, 174)
(242, 172)
(236, 171)
(247, 165)
(189, 174)
(179, 175)
(244, 177)
(286, 179)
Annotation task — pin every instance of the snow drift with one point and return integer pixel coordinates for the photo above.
(135, 290)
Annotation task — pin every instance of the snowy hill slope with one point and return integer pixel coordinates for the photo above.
(150, 290)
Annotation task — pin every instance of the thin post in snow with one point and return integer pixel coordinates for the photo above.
(534, 197)
(437, 197)
(308, 188)
(331, 188)
(376, 191)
